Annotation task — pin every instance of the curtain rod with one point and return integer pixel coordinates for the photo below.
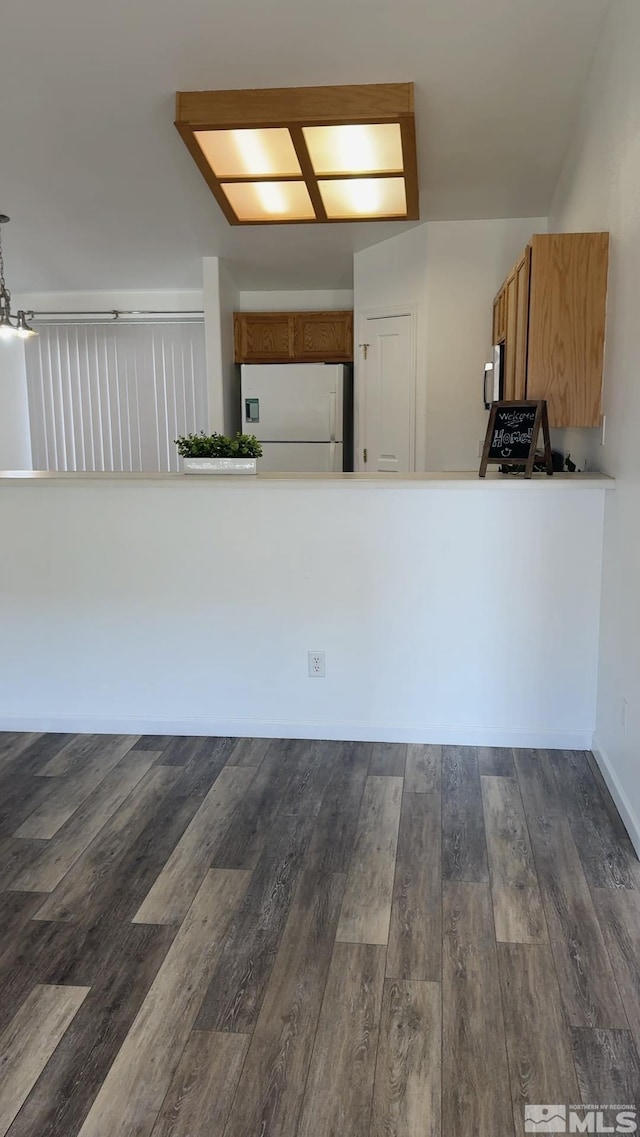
(116, 313)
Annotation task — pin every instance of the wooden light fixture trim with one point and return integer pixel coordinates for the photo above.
(295, 108)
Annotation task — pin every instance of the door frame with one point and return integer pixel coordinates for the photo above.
(359, 390)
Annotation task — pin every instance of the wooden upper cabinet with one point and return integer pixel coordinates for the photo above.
(263, 337)
(550, 313)
(293, 337)
(567, 309)
(324, 337)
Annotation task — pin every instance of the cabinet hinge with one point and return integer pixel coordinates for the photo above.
(364, 454)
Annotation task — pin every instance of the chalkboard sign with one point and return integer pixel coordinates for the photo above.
(512, 435)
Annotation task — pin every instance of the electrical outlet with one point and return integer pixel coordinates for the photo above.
(624, 714)
(480, 447)
(316, 665)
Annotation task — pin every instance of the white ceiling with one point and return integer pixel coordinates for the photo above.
(103, 194)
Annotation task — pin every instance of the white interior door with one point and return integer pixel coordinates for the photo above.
(387, 395)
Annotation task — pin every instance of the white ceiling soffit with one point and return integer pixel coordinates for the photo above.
(102, 193)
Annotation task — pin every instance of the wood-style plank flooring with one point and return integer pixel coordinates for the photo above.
(216, 937)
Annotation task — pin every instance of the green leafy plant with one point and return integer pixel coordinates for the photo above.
(218, 446)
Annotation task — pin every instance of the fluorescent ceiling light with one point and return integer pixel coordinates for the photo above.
(364, 197)
(307, 154)
(269, 201)
(359, 149)
(249, 153)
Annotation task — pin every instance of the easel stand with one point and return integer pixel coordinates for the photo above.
(512, 436)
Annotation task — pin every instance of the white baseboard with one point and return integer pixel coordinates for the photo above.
(623, 805)
(449, 735)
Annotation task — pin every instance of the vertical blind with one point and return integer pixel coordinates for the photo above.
(114, 396)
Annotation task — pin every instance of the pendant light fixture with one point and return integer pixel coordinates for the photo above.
(11, 326)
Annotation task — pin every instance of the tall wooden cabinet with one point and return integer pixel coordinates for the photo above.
(550, 314)
(293, 337)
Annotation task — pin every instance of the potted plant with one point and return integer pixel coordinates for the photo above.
(217, 454)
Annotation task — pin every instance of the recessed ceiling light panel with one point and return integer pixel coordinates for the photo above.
(249, 153)
(358, 199)
(270, 201)
(374, 148)
(305, 154)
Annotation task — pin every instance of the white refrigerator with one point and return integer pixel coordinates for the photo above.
(296, 411)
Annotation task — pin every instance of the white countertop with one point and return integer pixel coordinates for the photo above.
(460, 480)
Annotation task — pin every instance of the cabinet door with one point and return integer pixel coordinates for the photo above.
(500, 315)
(567, 306)
(510, 336)
(523, 272)
(263, 337)
(324, 337)
(496, 320)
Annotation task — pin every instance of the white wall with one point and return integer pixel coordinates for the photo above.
(449, 271)
(221, 300)
(15, 436)
(303, 300)
(188, 605)
(600, 190)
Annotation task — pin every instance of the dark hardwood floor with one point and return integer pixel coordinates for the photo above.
(212, 937)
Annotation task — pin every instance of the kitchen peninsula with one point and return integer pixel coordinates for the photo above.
(185, 605)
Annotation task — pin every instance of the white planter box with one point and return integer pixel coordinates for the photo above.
(219, 465)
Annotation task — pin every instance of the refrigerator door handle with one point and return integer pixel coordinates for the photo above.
(332, 417)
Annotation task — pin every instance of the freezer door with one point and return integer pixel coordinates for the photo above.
(300, 457)
(293, 402)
